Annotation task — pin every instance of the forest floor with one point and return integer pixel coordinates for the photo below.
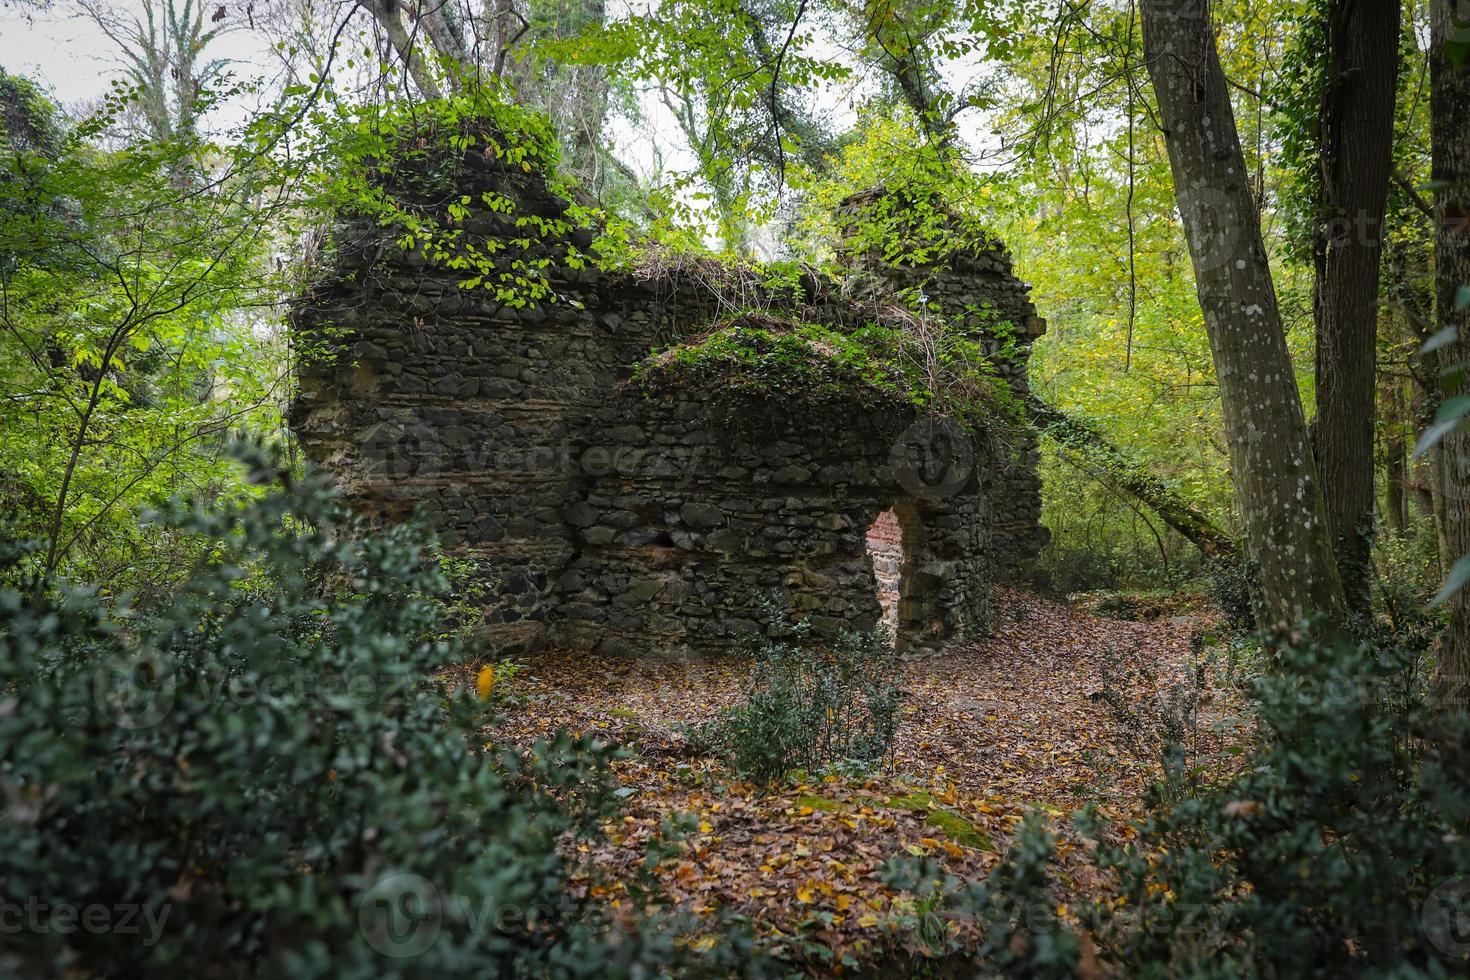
(1034, 718)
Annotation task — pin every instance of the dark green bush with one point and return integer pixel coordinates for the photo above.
(1340, 849)
(809, 705)
(1234, 589)
(1405, 576)
(1066, 570)
(261, 779)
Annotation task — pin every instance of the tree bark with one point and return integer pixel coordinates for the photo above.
(432, 15)
(1356, 142)
(1395, 458)
(1080, 439)
(1450, 138)
(1275, 474)
(389, 16)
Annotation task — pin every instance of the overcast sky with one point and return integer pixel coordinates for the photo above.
(69, 55)
(72, 57)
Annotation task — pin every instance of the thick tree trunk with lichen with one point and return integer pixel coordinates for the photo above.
(1275, 474)
(1356, 135)
(1450, 136)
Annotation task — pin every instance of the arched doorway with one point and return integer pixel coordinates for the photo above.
(897, 549)
(885, 551)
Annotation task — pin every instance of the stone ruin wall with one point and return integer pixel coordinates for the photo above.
(599, 518)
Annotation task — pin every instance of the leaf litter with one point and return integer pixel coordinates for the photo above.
(1049, 713)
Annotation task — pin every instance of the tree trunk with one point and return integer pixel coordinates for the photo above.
(1450, 136)
(389, 16)
(1117, 471)
(1395, 458)
(1356, 142)
(432, 16)
(1395, 501)
(1275, 474)
(1435, 472)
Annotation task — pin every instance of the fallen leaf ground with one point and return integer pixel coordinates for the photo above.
(1021, 721)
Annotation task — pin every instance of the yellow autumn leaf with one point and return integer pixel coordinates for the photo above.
(805, 894)
(867, 921)
(843, 902)
(706, 827)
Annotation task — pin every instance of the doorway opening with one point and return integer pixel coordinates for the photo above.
(885, 549)
(905, 586)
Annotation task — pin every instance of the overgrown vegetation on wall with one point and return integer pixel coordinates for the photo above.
(905, 360)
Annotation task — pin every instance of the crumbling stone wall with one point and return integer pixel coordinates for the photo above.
(675, 549)
(602, 517)
(977, 292)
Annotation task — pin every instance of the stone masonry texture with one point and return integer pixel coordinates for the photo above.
(599, 516)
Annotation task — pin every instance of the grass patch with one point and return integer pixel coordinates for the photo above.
(954, 826)
(959, 830)
(917, 800)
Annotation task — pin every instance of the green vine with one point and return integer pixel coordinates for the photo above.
(402, 166)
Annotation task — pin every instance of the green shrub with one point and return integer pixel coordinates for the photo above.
(1235, 589)
(1320, 859)
(1066, 570)
(1015, 906)
(261, 779)
(808, 706)
(1406, 575)
(1339, 849)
